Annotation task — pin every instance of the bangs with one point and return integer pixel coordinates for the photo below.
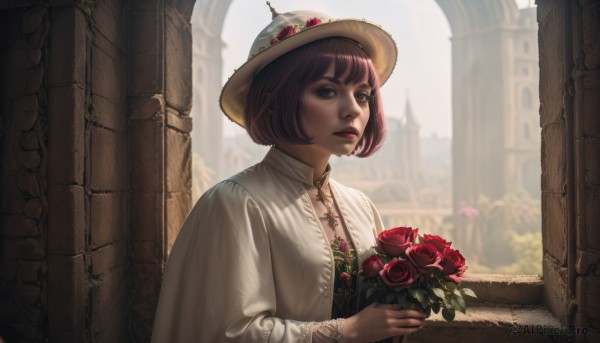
(349, 59)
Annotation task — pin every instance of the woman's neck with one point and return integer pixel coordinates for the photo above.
(309, 156)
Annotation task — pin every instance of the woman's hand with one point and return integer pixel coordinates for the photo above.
(380, 321)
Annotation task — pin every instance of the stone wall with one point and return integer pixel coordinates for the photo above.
(91, 200)
(570, 120)
(25, 286)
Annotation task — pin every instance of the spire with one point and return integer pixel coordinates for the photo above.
(274, 12)
(411, 121)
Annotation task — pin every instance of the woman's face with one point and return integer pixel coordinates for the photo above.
(335, 113)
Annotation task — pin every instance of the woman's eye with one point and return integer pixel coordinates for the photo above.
(363, 97)
(326, 92)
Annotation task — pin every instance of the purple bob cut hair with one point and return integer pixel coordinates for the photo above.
(274, 101)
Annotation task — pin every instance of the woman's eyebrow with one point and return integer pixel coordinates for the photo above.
(336, 81)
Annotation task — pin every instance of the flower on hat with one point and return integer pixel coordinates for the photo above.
(313, 21)
(293, 29)
(286, 32)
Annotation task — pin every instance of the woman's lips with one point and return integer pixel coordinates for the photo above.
(345, 135)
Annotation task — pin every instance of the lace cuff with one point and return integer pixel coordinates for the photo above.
(329, 331)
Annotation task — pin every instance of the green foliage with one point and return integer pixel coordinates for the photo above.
(505, 237)
(527, 248)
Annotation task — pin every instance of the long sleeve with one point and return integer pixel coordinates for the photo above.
(219, 284)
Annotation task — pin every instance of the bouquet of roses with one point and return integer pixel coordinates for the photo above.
(416, 271)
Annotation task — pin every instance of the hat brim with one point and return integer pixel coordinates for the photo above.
(376, 42)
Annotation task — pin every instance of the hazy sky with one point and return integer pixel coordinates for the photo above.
(422, 73)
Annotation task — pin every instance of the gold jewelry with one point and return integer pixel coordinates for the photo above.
(330, 215)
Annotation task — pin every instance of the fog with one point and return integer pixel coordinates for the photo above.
(410, 180)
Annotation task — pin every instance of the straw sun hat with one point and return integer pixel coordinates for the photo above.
(288, 31)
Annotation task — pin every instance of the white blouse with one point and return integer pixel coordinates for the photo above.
(252, 262)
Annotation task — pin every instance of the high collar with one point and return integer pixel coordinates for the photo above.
(293, 168)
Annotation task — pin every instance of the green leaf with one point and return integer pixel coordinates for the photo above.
(435, 306)
(417, 294)
(448, 314)
(439, 292)
(390, 297)
(451, 286)
(457, 292)
(425, 301)
(468, 292)
(458, 304)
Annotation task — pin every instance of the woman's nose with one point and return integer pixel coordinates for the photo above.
(350, 106)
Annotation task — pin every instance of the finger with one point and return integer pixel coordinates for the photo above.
(412, 314)
(407, 323)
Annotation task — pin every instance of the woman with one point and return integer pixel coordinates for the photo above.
(272, 253)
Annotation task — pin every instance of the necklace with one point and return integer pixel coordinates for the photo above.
(330, 215)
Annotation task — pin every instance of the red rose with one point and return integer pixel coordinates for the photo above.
(453, 265)
(286, 32)
(436, 241)
(395, 241)
(313, 22)
(274, 41)
(398, 274)
(372, 265)
(425, 257)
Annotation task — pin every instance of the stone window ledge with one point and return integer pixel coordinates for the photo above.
(505, 305)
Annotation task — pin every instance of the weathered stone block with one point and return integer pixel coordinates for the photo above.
(13, 199)
(108, 113)
(107, 74)
(591, 112)
(145, 27)
(29, 271)
(108, 257)
(67, 60)
(18, 58)
(25, 113)
(178, 207)
(146, 108)
(108, 218)
(178, 58)
(146, 153)
(33, 208)
(146, 252)
(32, 19)
(146, 216)
(29, 141)
(551, 44)
(23, 248)
(553, 158)
(107, 20)
(107, 159)
(589, 306)
(66, 147)
(591, 151)
(16, 83)
(109, 307)
(29, 159)
(66, 220)
(554, 224)
(29, 183)
(66, 293)
(19, 226)
(179, 164)
(592, 223)
(182, 123)
(555, 287)
(146, 74)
